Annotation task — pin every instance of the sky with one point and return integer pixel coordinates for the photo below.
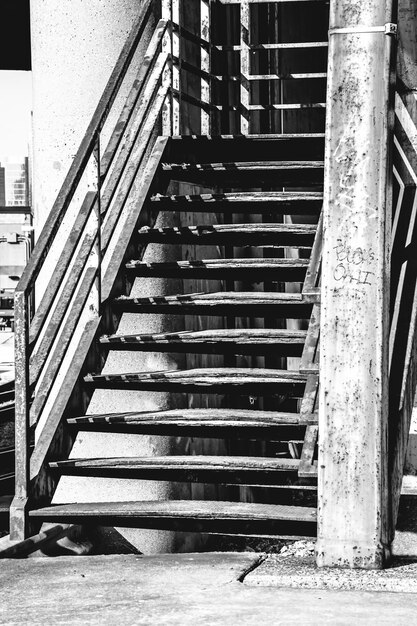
(15, 112)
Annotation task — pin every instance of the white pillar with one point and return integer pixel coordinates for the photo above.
(75, 45)
(353, 457)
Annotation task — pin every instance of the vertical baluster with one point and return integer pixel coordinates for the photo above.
(244, 67)
(205, 64)
(97, 213)
(167, 125)
(18, 509)
(176, 68)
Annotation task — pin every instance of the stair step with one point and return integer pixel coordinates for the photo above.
(198, 422)
(257, 270)
(252, 303)
(5, 503)
(248, 470)
(238, 518)
(232, 234)
(219, 340)
(212, 380)
(254, 203)
(208, 148)
(248, 174)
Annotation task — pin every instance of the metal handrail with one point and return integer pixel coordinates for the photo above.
(84, 152)
(403, 330)
(39, 356)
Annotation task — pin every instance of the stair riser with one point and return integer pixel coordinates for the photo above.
(181, 429)
(287, 274)
(206, 150)
(177, 474)
(254, 240)
(227, 179)
(290, 349)
(290, 311)
(252, 528)
(254, 389)
(247, 208)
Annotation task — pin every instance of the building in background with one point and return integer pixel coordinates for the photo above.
(2, 186)
(16, 233)
(15, 174)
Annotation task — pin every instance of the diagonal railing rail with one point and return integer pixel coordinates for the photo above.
(403, 331)
(82, 244)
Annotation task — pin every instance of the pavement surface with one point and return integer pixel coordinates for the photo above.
(201, 589)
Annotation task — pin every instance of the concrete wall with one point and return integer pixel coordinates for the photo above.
(75, 44)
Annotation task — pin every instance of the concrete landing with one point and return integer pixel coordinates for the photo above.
(190, 589)
(302, 573)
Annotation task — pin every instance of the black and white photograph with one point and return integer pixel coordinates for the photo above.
(208, 312)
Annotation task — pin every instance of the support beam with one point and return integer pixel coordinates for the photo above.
(353, 496)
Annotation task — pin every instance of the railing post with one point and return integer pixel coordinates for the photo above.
(205, 34)
(171, 113)
(97, 211)
(167, 112)
(176, 68)
(353, 526)
(244, 66)
(18, 509)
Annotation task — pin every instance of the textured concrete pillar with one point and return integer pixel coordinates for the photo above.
(353, 507)
(75, 44)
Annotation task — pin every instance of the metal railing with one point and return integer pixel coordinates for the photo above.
(232, 83)
(403, 330)
(81, 247)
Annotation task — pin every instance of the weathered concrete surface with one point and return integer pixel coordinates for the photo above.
(75, 45)
(301, 573)
(180, 589)
(353, 496)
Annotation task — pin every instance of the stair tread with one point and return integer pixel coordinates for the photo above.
(220, 264)
(217, 335)
(257, 303)
(223, 263)
(290, 234)
(246, 138)
(5, 503)
(252, 202)
(242, 196)
(203, 417)
(204, 376)
(243, 166)
(246, 174)
(200, 509)
(261, 297)
(235, 228)
(185, 462)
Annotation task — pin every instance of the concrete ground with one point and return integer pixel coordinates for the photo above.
(203, 589)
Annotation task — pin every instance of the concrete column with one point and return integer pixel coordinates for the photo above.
(353, 496)
(75, 44)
